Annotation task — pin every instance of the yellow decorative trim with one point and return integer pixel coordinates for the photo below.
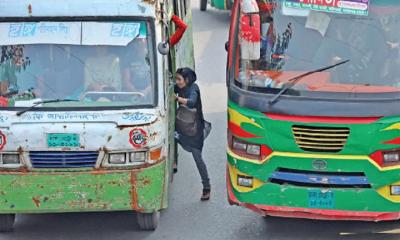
(313, 155)
(395, 126)
(234, 172)
(237, 118)
(385, 192)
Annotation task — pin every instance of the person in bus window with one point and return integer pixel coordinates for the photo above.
(136, 70)
(102, 71)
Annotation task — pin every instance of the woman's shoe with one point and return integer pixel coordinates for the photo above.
(206, 195)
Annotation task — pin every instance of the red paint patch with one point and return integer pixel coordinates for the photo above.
(138, 138)
(239, 132)
(3, 140)
(318, 119)
(393, 141)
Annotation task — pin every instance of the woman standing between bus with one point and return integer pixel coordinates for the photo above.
(188, 96)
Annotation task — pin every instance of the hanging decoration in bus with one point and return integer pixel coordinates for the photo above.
(353, 7)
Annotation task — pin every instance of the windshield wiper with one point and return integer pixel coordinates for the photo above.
(44, 102)
(293, 81)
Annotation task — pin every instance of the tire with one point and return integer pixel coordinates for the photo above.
(148, 221)
(203, 5)
(7, 222)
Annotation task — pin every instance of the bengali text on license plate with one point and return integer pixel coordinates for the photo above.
(63, 140)
(321, 199)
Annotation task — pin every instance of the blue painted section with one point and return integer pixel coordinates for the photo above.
(320, 178)
(57, 8)
(59, 159)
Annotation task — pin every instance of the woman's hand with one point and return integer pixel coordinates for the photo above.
(181, 100)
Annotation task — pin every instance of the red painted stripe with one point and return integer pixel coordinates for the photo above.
(318, 119)
(393, 141)
(239, 132)
(324, 214)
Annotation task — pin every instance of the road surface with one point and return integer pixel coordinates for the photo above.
(187, 218)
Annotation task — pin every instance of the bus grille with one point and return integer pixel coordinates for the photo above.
(59, 159)
(320, 139)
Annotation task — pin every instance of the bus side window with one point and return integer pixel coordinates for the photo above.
(180, 8)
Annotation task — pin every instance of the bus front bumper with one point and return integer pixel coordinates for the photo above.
(279, 201)
(316, 214)
(141, 190)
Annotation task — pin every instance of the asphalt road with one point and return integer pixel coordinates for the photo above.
(187, 218)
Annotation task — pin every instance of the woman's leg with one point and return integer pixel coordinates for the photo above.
(201, 166)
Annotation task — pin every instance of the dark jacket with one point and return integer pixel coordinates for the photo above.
(192, 94)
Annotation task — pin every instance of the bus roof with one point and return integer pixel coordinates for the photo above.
(76, 8)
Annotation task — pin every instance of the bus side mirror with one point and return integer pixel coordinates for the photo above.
(226, 45)
(163, 48)
(250, 30)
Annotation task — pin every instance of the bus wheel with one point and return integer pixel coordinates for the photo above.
(7, 222)
(148, 221)
(203, 5)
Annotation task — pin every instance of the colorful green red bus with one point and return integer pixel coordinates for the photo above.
(313, 110)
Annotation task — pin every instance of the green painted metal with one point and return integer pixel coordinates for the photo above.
(108, 190)
(219, 4)
(364, 139)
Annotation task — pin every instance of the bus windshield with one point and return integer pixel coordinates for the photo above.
(298, 36)
(90, 64)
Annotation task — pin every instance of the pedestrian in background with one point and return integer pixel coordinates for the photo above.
(191, 127)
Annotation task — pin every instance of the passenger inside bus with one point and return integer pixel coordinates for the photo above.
(103, 71)
(136, 71)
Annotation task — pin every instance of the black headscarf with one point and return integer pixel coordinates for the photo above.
(188, 74)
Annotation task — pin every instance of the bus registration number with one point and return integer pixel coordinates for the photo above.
(55, 140)
(321, 199)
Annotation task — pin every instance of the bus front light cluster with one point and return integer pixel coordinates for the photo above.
(386, 157)
(119, 159)
(10, 160)
(249, 150)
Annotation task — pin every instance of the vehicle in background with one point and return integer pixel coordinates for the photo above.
(87, 106)
(313, 117)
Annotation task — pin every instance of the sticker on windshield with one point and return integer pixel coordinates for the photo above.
(353, 7)
(116, 34)
(40, 32)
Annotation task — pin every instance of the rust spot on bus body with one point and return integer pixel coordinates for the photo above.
(36, 201)
(134, 196)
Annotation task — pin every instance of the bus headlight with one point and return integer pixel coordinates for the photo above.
(386, 158)
(137, 157)
(117, 158)
(247, 149)
(395, 189)
(10, 160)
(245, 181)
